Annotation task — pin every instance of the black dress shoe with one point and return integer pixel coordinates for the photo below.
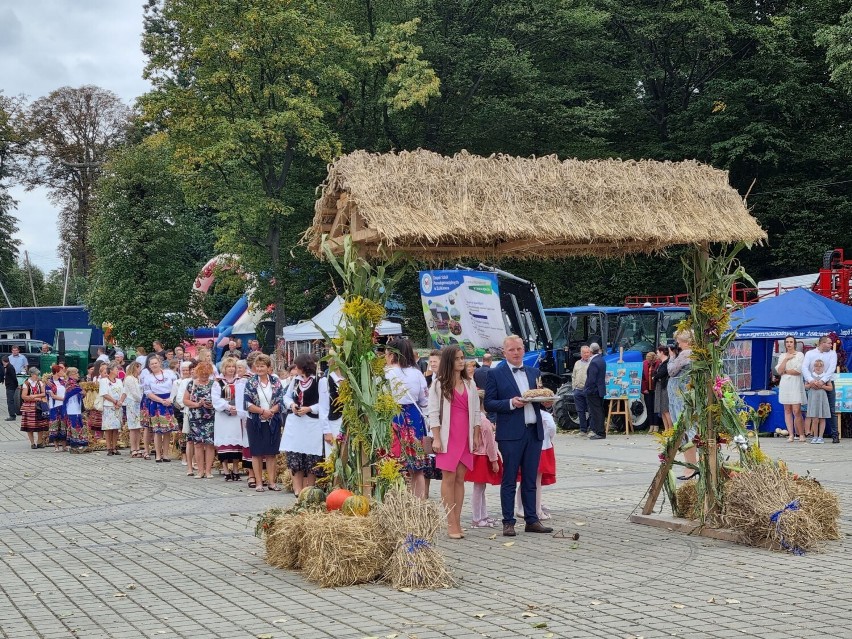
(596, 436)
(509, 530)
(537, 527)
(835, 440)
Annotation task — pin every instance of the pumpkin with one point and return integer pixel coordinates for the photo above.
(311, 495)
(336, 498)
(356, 506)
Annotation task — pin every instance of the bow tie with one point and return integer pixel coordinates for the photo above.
(515, 369)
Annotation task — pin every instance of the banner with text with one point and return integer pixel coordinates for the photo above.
(463, 307)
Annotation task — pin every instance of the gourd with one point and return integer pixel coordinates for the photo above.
(311, 495)
(336, 498)
(356, 506)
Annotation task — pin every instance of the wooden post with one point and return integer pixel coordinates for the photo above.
(366, 471)
(710, 450)
(660, 477)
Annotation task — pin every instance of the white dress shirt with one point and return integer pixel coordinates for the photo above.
(523, 385)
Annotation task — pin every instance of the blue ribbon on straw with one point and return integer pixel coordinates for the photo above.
(413, 544)
(775, 518)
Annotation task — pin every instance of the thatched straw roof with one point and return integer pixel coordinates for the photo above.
(437, 207)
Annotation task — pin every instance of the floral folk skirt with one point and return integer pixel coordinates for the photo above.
(408, 429)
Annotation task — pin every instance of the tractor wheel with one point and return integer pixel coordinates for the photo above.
(564, 412)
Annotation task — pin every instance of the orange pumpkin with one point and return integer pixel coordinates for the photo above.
(336, 498)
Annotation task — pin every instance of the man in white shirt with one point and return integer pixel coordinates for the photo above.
(18, 361)
(578, 386)
(102, 356)
(825, 352)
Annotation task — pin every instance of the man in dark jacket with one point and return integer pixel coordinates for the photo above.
(595, 392)
(10, 380)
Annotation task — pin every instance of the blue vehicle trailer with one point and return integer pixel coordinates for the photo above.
(621, 331)
(41, 322)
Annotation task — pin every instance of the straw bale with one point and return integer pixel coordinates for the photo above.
(687, 500)
(337, 550)
(417, 567)
(401, 514)
(753, 496)
(823, 505)
(438, 207)
(284, 541)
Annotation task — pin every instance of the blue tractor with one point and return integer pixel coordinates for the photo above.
(553, 337)
(621, 331)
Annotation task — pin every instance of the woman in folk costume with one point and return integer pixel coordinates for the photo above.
(304, 432)
(33, 393)
(94, 416)
(157, 388)
(264, 396)
(56, 401)
(78, 434)
(409, 387)
(330, 410)
(227, 424)
(131, 406)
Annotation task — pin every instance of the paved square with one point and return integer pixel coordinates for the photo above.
(95, 546)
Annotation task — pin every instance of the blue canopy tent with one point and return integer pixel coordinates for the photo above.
(800, 313)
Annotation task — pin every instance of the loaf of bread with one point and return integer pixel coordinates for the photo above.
(538, 392)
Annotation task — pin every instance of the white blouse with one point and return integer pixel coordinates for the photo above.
(133, 390)
(161, 384)
(408, 385)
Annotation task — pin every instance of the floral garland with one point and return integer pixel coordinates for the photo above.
(360, 458)
(712, 406)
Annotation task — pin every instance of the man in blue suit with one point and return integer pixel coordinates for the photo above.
(595, 392)
(519, 433)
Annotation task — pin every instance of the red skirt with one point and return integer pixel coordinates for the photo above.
(546, 467)
(482, 473)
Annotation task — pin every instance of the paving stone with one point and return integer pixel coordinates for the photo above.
(78, 529)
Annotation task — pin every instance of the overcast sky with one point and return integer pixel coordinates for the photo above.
(47, 44)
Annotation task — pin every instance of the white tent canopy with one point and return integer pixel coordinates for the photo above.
(328, 320)
(771, 288)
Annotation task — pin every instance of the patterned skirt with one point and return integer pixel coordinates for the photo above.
(94, 421)
(303, 462)
(408, 429)
(131, 413)
(161, 419)
(200, 431)
(58, 428)
(78, 434)
(31, 422)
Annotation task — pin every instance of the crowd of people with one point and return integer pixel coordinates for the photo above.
(457, 423)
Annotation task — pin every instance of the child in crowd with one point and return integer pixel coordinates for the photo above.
(818, 409)
(487, 468)
(546, 468)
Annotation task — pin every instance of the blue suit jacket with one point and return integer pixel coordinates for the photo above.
(500, 388)
(595, 382)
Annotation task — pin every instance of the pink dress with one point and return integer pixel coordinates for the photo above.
(458, 439)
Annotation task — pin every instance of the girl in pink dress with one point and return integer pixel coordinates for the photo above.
(454, 421)
(487, 469)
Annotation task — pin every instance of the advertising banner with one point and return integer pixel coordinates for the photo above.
(843, 393)
(623, 380)
(463, 307)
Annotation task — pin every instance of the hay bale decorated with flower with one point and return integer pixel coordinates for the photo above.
(411, 525)
(769, 506)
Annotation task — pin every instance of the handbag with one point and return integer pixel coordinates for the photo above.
(98, 404)
(43, 409)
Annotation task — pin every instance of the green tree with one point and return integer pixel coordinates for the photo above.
(250, 93)
(11, 151)
(148, 245)
(70, 132)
